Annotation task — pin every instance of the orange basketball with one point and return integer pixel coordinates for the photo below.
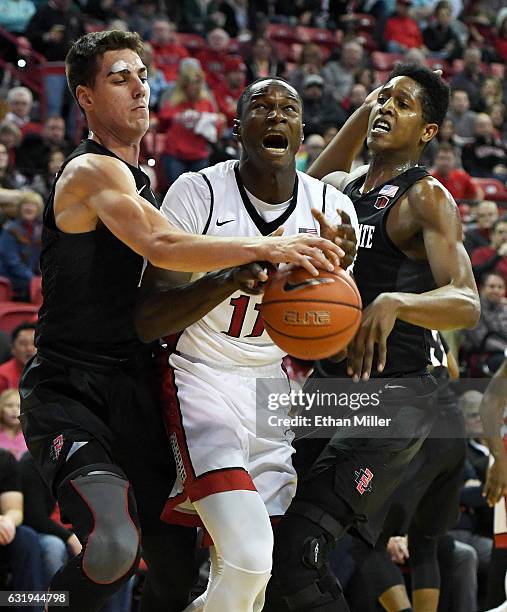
(311, 317)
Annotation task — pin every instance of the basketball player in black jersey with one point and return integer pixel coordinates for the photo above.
(414, 275)
(88, 416)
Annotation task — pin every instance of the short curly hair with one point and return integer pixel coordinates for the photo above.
(435, 91)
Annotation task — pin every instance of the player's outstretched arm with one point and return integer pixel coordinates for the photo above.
(106, 189)
(492, 411)
(169, 302)
(453, 305)
(345, 146)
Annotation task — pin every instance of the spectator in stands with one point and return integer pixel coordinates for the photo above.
(492, 258)
(340, 75)
(10, 178)
(228, 92)
(15, 14)
(19, 546)
(355, 98)
(235, 16)
(498, 117)
(488, 339)
(460, 114)
(167, 52)
(198, 16)
(51, 30)
(500, 40)
(312, 148)
(32, 156)
(458, 182)
(486, 155)
(20, 102)
(142, 16)
(11, 436)
(486, 215)
(191, 116)
(471, 77)
(43, 183)
(156, 79)
(491, 93)
(320, 107)
(368, 78)
(401, 31)
(22, 349)
(310, 61)
(20, 245)
(214, 57)
(10, 136)
(263, 61)
(56, 541)
(440, 37)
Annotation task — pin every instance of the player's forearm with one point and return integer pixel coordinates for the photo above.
(170, 310)
(191, 253)
(445, 308)
(492, 410)
(345, 146)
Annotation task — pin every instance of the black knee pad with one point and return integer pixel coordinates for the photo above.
(99, 502)
(300, 567)
(423, 560)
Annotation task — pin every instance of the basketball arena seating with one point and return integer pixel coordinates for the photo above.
(12, 313)
(493, 190)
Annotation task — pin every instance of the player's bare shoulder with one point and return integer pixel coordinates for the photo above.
(83, 179)
(340, 179)
(429, 201)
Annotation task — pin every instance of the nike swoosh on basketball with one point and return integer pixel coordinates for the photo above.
(306, 283)
(140, 189)
(219, 223)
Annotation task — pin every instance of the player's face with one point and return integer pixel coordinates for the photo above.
(396, 122)
(118, 101)
(271, 127)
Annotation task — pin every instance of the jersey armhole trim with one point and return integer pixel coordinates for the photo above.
(206, 227)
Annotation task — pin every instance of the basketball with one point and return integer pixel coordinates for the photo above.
(311, 317)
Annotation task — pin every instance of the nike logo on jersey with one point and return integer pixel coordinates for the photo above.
(140, 189)
(219, 223)
(306, 283)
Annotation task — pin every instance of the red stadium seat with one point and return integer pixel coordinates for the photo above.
(13, 314)
(321, 36)
(191, 42)
(364, 22)
(439, 64)
(384, 61)
(36, 290)
(493, 189)
(5, 289)
(367, 40)
(282, 33)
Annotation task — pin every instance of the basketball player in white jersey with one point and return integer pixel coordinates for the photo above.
(233, 476)
(493, 412)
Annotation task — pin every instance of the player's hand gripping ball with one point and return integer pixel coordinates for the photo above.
(311, 317)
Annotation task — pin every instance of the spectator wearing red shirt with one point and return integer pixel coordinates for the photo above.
(458, 182)
(192, 121)
(22, 349)
(228, 92)
(167, 52)
(214, 58)
(492, 258)
(401, 32)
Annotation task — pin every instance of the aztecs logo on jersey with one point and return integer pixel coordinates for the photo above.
(56, 448)
(381, 202)
(363, 479)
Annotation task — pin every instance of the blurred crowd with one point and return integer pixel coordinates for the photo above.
(200, 55)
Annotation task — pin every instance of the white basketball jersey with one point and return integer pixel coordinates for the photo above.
(214, 202)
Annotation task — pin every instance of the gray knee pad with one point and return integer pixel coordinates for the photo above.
(99, 503)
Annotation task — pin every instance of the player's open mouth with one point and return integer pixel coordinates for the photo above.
(380, 126)
(275, 143)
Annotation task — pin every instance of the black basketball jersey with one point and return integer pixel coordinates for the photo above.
(89, 282)
(381, 267)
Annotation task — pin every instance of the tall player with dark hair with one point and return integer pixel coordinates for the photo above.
(88, 415)
(413, 275)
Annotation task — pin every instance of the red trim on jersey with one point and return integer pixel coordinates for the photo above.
(216, 481)
(500, 540)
